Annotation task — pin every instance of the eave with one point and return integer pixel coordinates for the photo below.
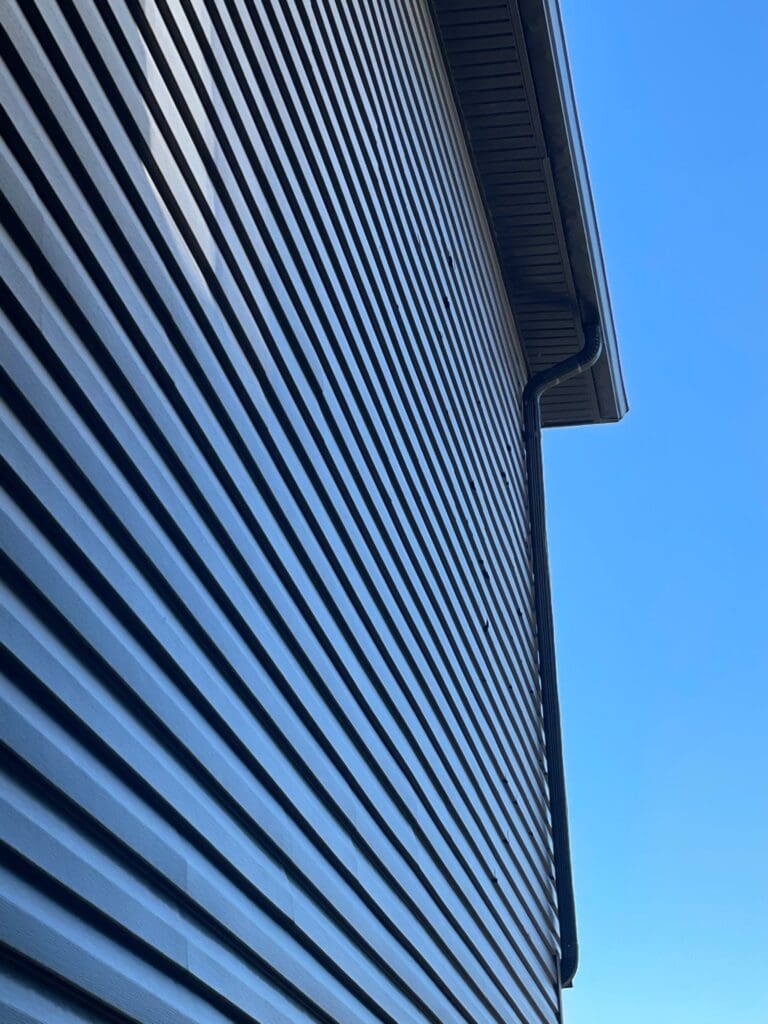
(509, 70)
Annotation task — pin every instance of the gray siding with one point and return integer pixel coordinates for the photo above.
(271, 736)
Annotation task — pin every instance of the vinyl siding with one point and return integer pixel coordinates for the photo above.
(271, 734)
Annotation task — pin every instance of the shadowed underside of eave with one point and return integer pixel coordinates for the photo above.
(518, 135)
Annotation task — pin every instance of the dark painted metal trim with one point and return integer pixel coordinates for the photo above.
(525, 142)
(548, 55)
(535, 388)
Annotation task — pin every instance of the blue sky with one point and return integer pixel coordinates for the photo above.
(658, 526)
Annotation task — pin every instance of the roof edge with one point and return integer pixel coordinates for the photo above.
(542, 26)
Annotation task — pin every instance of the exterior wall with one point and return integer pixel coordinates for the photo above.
(271, 735)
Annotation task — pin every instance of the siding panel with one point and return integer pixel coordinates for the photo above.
(271, 736)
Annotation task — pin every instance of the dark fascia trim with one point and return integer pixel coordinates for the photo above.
(561, 847)
(550, 69)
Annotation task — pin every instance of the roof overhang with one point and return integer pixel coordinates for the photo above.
(509, 69)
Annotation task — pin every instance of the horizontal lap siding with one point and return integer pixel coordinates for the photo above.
(271, 739)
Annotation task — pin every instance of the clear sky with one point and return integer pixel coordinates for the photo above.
(658, 526)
